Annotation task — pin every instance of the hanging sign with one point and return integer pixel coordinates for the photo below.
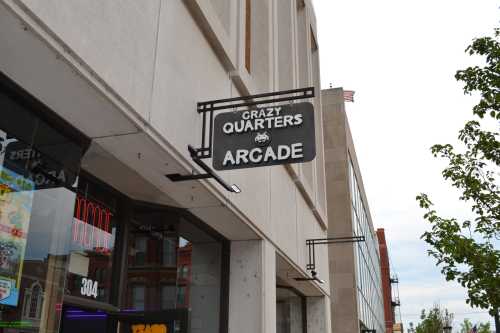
(264, 137)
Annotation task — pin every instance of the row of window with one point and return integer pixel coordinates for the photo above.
(368, 275)
(167, 251)
(171, 297)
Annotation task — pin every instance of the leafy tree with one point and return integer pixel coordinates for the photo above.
(466, 327)
(465, 250)
(434, 320)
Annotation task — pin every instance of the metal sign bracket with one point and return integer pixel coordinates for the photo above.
(207, 110)
(311, 243)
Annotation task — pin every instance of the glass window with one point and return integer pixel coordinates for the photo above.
(92, 243)
(167, 297)
(138, 297)
(183, 269)
(367, 261)
(38, 168)
(140, 249)
(33, 301)
(184, 272)
(169, 254)
(181, 296)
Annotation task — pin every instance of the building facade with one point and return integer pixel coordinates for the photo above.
(390, 295)
(356, 285)
(98, 102)
(385, 271)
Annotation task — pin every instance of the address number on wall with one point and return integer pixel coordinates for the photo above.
(89, 288)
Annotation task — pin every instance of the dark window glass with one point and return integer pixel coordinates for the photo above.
(181, 296)
(34, 301)
(169, 254)
(36, 209)
(16, 120)
(32, 148)
(140, 250)
(179, 267)
(167, 297)
(82, 320)
(92, 243)
(138, 297)
(183, 272)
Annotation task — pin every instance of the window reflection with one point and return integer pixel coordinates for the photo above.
(367, 258)
(138, 294)
(168, 297)
(33, 245)
(172, 264)
(169, 255)
(92, 243)
(140, 251)
(38, 167)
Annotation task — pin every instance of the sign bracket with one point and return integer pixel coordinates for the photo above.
(207, 110)
(311, 243)
(176, 177)
(209, 107)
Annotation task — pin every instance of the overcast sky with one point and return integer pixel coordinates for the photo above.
(400, 56)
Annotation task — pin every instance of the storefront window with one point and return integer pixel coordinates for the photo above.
(59, 231)
(92, 245)
(38, 168)
(172, 264)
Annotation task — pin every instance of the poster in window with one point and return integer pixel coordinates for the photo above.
(16, 196)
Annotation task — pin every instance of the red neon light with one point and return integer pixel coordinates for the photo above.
(90, 217)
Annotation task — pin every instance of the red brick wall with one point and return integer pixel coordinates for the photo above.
(386, 282)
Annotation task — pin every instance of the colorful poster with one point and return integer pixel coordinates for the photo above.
(16, 196)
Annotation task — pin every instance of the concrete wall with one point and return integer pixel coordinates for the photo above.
(205, 287)
(128, 74)
(252, 293)
(348, 266)
(344, 310)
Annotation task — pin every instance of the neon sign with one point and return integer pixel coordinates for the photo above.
(92, 225)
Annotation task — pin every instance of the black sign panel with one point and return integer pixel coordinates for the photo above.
(263, 137)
